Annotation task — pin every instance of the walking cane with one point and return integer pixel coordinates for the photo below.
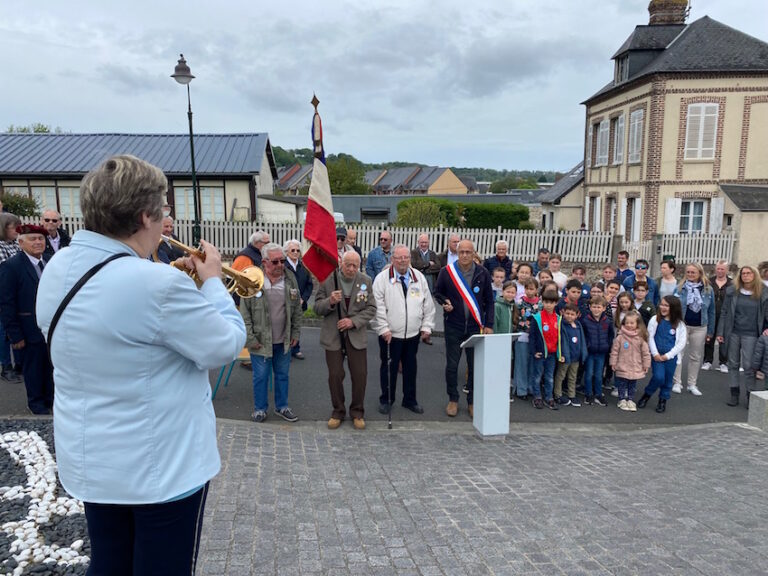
(389, 388)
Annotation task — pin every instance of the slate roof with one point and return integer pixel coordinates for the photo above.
(296, 179)
(650, 37)
(747, 198)
(295, 200)
(470, 182)
(560, 188)
(424, 178)
(704, 45)
(76, 154)
(372, 175)
(395, 179)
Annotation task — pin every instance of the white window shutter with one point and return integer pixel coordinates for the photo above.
(716, 209)
(589, 147)
(618, 144)
(587, 207)
(623, 218)
(603, 136)
(598, 217)
(637, 220)
(672, 216)
(709, 131)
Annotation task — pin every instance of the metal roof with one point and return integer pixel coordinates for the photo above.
(76, 154)
(747, 198)
(567, 183)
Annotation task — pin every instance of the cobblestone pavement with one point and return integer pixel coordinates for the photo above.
(437, 499)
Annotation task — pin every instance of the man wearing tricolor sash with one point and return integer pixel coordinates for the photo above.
(465, 291)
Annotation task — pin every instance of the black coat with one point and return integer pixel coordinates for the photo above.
(304, 280)
(49, 252)
(18, 292)
(171, 252)
(481, 287)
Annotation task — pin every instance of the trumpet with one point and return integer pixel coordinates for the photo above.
(245, 283)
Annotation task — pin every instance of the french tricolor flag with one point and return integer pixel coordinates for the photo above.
(321, 253)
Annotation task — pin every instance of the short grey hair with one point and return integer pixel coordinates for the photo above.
(350, 254)
(290, 243)
(115, 196)
(7, 219)
(258, 236)
(58, 215)
(401, 247)
(270, 247)
(454, 235)
(502, 243)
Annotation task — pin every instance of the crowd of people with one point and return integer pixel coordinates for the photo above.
(129, 342)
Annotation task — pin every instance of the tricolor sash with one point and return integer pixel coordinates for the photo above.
(464, 290)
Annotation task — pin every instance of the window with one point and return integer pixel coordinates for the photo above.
(691, 216)
(618, 140)
(589, 146)
(701, 131)
(70, 201)
(45, 197)
(635, 136)
(622, 69)
(184, 205)
(603, 135)
(212, 203)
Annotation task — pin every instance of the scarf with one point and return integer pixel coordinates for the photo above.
(694, 295)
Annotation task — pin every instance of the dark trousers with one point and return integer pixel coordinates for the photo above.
(38, 378)
(357, 360)
(453, 338)
(709, 347)
(142, 540)
(400, 350)
(661, 378)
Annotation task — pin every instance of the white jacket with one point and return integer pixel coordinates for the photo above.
(404, 319)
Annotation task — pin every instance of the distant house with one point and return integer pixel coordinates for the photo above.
(292, 179)
(685, 115)
(415, 180)
(232, 170)
(561, 203)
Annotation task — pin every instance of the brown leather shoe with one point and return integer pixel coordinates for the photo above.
(452, 409)
(358, 423)
(471, 410)
(334, 423)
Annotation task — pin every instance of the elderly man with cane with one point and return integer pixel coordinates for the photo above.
(405, 314)
(345, 301)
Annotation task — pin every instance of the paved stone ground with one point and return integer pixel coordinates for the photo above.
(437, 499)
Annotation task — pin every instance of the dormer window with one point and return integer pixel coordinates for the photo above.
(622, 69)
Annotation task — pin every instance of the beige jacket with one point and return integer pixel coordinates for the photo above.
(362, 309)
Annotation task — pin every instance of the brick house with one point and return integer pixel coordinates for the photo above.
(686, 111)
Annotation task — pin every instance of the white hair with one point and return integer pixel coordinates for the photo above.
(257, 236)
(290, 243)
(502, 243)
(270, 247)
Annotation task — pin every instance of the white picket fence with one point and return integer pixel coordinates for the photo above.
(573, 246)
(701, 248)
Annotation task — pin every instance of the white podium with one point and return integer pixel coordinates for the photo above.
(493, 363)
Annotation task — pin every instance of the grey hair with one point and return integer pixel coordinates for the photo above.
(7, 219)
(502, 243)
(115, 196)
(723, 263)
(454, 235)
(289, 243)
(58, 214)
(169, 217)
(401, 246)
(270, 247)
(257, 236)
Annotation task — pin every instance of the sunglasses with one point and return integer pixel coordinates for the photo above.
(383, 239)
(277, 261)
(641, 267)
(51, 219)
(294, 250)
(341, 237)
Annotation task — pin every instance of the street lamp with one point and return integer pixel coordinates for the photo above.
(183, 75)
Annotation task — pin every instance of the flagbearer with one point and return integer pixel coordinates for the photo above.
(465, 291)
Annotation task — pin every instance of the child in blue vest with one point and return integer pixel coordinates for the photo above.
(544, 342)
(666, 339)
(599, 333)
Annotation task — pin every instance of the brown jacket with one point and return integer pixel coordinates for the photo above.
(362, 309)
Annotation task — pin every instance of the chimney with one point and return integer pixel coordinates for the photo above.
(668, 11)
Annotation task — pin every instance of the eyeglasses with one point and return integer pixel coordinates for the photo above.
(51, 219)
(384, 238)
(641, 267)
(341, 238)
(277, 261)
(294, 250)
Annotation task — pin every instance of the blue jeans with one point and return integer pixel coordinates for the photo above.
(626, 387)
(593, 374)
(662, 374)
(263, 367)
(522, 362)
(545, 366)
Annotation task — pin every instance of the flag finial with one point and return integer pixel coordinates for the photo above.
(315, 102)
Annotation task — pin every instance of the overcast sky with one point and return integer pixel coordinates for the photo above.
(496, 84)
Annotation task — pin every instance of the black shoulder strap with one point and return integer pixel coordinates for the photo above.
(71, 294)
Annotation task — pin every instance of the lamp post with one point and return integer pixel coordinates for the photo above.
(183, 75)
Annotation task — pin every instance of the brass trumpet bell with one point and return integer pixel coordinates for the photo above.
(245, 283)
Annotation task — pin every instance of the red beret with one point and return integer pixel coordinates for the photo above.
(31, 229)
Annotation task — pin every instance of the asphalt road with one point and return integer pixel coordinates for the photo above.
(310, 400)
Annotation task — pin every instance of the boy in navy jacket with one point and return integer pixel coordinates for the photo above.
(599, 333)
(573, 348)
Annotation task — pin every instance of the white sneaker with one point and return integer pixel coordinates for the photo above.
(677, 389)
(706, 366)
(694, 390)
(615, 392)
(623, 405)
(631, 406)
(741, 369)
(724, 368)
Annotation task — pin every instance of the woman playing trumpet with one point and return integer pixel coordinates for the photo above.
(134, 426)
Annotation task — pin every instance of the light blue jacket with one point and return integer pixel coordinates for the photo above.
(133, 419)
(707, 306)
(376, 261)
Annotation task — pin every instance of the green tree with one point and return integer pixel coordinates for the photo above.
(34, 128)
(19, 205)
(346, 175)
(420, 213)
(512, 183)
(283, 157)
